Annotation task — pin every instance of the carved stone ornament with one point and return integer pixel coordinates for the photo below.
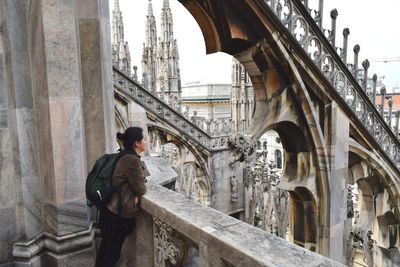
(242, 147)
(166, 249)
(234, 189)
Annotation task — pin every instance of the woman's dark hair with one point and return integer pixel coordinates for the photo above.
(131, 135)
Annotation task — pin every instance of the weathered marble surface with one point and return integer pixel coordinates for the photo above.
(338, 187)
(43, 148)
(94, 30)
(24, 183)
(221, 174)
(224, 237)
(8, 232)
(161, 172)
(66, 218)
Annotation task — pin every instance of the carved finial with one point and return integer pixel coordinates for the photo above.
(356, 48)
(383, 90)
(346, 32)
(390, 103)
(334, 13)
(375, 77)
(365, 64)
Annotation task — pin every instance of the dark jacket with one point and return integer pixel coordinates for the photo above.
(128, 168)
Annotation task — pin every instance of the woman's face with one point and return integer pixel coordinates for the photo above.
(141, 146)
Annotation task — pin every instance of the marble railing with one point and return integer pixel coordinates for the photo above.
(172, 230)
(209, 138)
(305, 25)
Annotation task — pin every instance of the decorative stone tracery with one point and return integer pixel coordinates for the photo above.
(267, 204)
(169, 247)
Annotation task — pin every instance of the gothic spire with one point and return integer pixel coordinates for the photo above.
(149, 57)
(150, 9)
(151, 29)
(166, 22)
(116, 5)
(120, 49)
(166, 4)
(117, 25)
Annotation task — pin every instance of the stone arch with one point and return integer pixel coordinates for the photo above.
(274, 75)
(378, 222)
(200, 163)
(370, 165)
(303, 218)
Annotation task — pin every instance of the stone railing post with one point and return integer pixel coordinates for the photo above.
(365, 65)
(396, 131)
(373, 94)
(346, 33)
(383, 95)
(138, 249)
(334, 14)
(390, 103)
(356, 50)
(320, 13)
(208, 255)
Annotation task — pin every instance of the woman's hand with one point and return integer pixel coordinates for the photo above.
(136, 201)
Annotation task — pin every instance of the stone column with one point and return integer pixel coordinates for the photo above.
(138, 248)
(9, 151)
(96, 71)
(208, 254)
(21, 214)
(339, 151)
(58, 76)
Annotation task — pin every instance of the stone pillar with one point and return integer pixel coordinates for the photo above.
(138, 248)
(57, 63)
(21, 192)
(9, 181)
(208, 254)
(339, 151)
(96, 71)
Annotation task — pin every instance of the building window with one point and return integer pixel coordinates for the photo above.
(278, 159)
(258, 145)
(278, 140)
(265, 145)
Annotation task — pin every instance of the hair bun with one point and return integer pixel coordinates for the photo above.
(121, 136)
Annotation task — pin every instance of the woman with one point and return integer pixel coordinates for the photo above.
(117, 217)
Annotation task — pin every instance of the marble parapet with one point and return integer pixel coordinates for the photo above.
(234, 241)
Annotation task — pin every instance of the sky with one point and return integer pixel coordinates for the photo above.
(374, 25)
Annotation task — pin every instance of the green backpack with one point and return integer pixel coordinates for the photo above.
(98, 187)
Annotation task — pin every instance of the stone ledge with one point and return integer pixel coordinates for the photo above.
(234, 241)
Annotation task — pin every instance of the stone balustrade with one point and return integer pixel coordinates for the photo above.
(305, 26)
(171, 228)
